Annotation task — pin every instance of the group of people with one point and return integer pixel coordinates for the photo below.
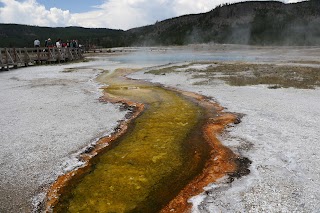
(59, 44)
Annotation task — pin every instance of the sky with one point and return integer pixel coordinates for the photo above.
(114, 14)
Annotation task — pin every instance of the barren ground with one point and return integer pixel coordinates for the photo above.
(47, 116)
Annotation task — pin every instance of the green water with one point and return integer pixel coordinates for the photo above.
(147, 167)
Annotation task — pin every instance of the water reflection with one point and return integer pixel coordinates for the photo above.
(176, 56)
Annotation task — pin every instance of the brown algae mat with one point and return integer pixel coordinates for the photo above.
(166, 152)
(303, 76)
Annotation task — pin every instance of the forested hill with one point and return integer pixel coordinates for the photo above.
(14, 35)
(255, 22)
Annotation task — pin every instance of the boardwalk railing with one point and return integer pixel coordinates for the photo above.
(15, 57)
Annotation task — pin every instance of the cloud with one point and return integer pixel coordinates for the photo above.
(32, 13)
(126, 14)
(116, 14)
(292, 1)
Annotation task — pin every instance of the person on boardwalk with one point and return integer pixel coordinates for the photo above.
(58, 43)
(36, 43)
(48, 43)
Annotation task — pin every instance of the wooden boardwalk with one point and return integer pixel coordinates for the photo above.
(18, 57)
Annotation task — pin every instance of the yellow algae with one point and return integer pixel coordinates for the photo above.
(150, 163)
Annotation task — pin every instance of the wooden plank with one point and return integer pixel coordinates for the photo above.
(15, 58)
(71, 58)
(38, 55)
(1, 59)
(6, 58)
(51, 54)
(76, 53)
(19, 56)
(63, 54)
(27, 58)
